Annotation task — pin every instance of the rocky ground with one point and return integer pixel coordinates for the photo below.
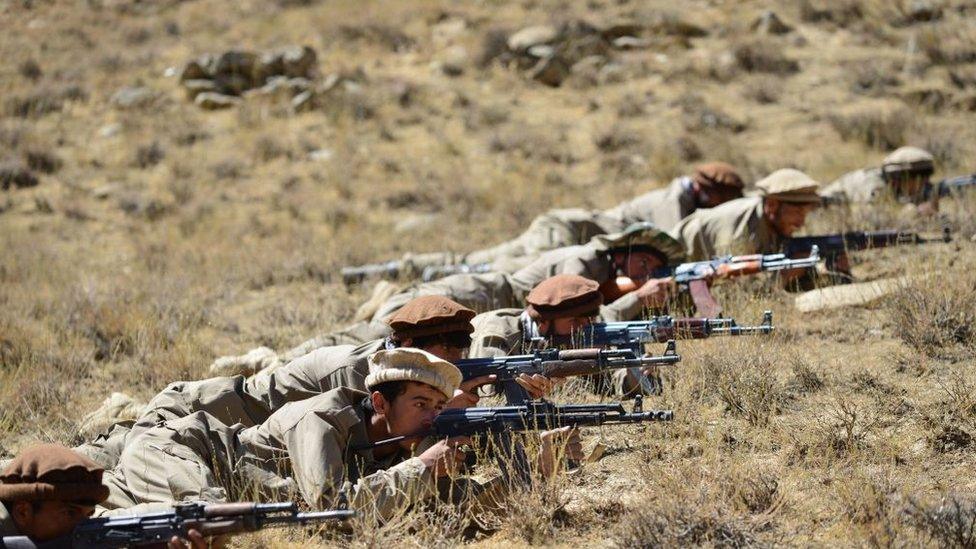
(183, 180)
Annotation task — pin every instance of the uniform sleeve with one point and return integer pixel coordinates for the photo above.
(626, 307)
(294, 381)
(317, 444)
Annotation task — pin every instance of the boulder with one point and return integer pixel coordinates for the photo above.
(196, 87)
(921, 11)
(551, 71)
(532, 36)
(212, 101)
(770, 23)
(454, 60)
(132, 97)
(194, 70)
(298, 61)
(235, 62)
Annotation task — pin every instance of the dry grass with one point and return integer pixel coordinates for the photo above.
(159, 238)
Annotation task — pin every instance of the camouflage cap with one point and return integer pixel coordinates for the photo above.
(789, 185)
(643, 234)
(564, 296)
(51, 472)
(406, 364)
(719, 174)
(909, 159)
(430, 315)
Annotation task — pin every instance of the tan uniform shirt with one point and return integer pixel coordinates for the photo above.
(736, 227)
(305, 445)
(662, 207)
(860, 186)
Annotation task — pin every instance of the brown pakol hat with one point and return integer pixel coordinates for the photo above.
(429, 315)
(720, 174)
(564, 296)
(51, 472)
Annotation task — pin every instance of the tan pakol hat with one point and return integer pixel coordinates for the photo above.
(407, 364)
(51, 472)
(429, 315)
(712, 174)
(643, 234)
(564, 296)
(789, 185)
(908, 159)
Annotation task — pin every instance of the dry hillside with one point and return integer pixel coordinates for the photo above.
(142, 235)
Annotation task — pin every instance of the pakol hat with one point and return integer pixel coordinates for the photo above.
(564, 296)
(407, 364)
(430, 315)
(51, 472)
(717, 174)
(909, 159)
(789, 185)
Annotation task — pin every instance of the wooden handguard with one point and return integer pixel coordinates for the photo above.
(738, 269)
(570, 368)
(227, 509)
(580, 354)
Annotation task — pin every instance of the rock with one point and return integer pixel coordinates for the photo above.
(532, 36)
(304, 101)
(551, 71)
(770, 23)
(321, 155)
(103, 192)
(621, 30)
(298, 61)
(454, 61)
(920, 11)
(270, 64)
(193, 70)
(232, 84)
(631, 43)
(612, 73)
(109, 130)
(541, 51)
(14, 175)
(235, 62)
(215, 101)
(133, 97)
(196, 87)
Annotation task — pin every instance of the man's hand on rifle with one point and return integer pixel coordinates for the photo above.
(537, 385)
(656, 292)
(446, 457)
(559, 446)
(467, 394)
(195, 540)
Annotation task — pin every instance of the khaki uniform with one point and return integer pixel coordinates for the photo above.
(662, 207)
(305, 447)
(502, 333)
(245, 401)
(736, 227)
(573, 226)
(860, 186)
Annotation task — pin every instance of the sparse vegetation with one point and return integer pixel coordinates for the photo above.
(138, 245)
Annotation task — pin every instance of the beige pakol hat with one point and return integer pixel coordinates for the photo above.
(789, 185)
(642, 234)
(908, 159)
(407, 364)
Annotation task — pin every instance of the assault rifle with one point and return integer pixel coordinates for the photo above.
(388, 270)
(834, 245)
(156, 529)
(664, 328)
(560, 363)
(695, 276)
(952, 186)
(537, 415)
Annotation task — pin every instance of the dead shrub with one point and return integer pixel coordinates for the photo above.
(805, 379)
(951, 523)
(938, 320)
(764, 90)
(42, 161)
(949, 44)
(880, 128)
(761, 56)
(147, 156)
(839, 12)
(681, 524)
(43, 100)
(752, 391)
